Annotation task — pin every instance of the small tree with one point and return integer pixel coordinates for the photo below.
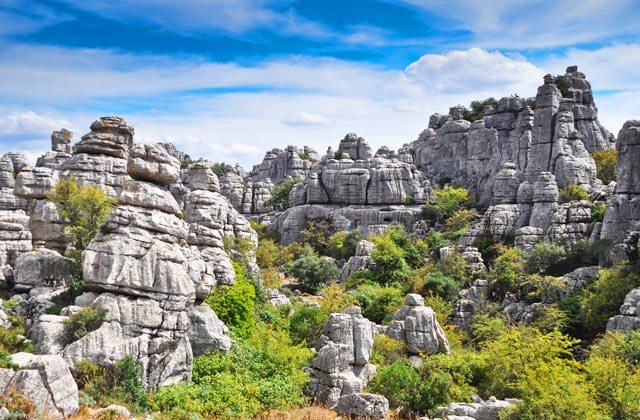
(83, 209)
(605, 164)
(477, 109)
(280, 195)
(312, 270)
(445, 202)
(572, 192)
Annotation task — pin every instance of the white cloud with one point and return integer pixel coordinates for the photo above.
(474, 69)
(302, 118)
(172, 100)
(28, 123)
(534, 23)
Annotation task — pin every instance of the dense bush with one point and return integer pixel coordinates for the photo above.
(280, 195)
(545, 258)
(603, 297)
(445, 202)
(317, 234)
(261, 372)
(507, 269)
(342, 245)
(378, 303)
(439, 284)
(222, 168)
(311, 270)
(82, 208)
(390, 265)
(597, 212)
(306, 324)
(12, 339)
(572, 192)
(477, 109)
(83, 322)
(235, 304)
(606, 164)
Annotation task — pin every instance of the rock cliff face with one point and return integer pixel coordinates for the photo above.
(158, 256)
(553, 132)
(621, 222)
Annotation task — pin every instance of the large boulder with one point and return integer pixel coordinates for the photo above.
(42, 268)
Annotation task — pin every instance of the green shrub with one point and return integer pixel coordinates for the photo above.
(545, 258)
(311, 270)
(128, 382)
(262, 372)
(572, 192)
(401, 384)
(606, 164)
(342, 245)
(83, 322)
(537, 288)
(378, 303)
(445, 202)
(390, 265)
(306, 324)
(280, 195)
(221, 169)
(439, 284)
(597, 212)
(563, 83)
(185, 163)
(486, 326)
(477, 109)
(506, 271)
(387, 350)
(235, 304)
(317, 234)
(603, 298)
(82, 208)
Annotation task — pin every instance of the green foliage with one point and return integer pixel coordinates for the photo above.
(597, 212)
(613, 369)
(12, 339)
(460, 222)
(439, 284)
(82, 208)
(606, 164)
(387, 350)
(477, 109)
(342, 245)
(184, 164)
(603, 297)
(83, 322)
(506, 270)
(537, 288)
(120, 384)
(378, 303)
(235, 304)
(306, 324)
(280, 195)
(515, 352)
(305, 156)
(221, 169)
(317, 234)
(311, 270)
(445, 202)
(572, 192)
(486, 326)
(545, 258)
(435, 240)
(5, 361)
(455, 266)
(409, 200)
(401, 384)
(262, 372)
(563, 83)
(487, 246)
(390, 265)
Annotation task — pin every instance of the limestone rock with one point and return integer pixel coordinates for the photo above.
(484, 410)
(55, 376)
(276, 298)
(34, 183)
(359, 262)
(48, 334)
(629, 318)
(110, 136)
(152, 162)
(341, 365)
(42, 268)
(206, 331)
(370, 406)
(416, 325)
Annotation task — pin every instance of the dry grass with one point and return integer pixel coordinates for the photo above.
(305, 413)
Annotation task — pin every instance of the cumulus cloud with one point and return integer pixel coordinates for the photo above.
(302, 118)
(28, 123)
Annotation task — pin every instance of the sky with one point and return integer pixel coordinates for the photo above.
(229, 80)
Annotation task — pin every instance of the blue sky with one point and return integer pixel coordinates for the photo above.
(231, 79)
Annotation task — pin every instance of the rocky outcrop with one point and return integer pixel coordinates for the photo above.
(517, 139)
(355, 147)
(206, 331)
(280, 165)
(42, 268)
(482, 410)
(629, 318)
(367, 406)
(340, 370)
(46, 381)
(471, 301)
(621, 224)
(417, 326)
(60, 150)
(100, 158)
(359, 262)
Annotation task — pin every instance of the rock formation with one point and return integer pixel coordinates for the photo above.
(621, 224)
(359, 262)
(340, 371)
(417, 326)
(629, 318)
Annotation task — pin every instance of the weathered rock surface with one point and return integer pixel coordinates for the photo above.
(359, 262)
(629, 318)
(341, 368)
(42, 268)
(485, 410)
(206, 331)
(369, 406)
(417, 326)
(621, 222)
(280, 165)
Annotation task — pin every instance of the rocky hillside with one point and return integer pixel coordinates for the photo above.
(488, 269)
